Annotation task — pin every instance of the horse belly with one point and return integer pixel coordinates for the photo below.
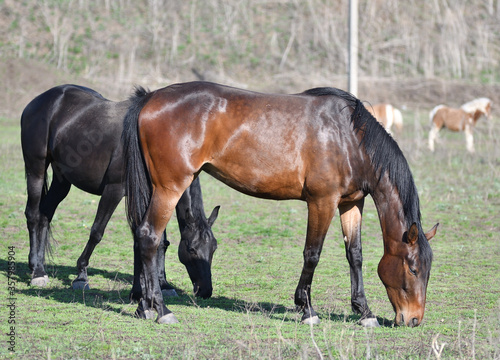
(259, 177)
(86, 166)
(451, 118)
(88, 180)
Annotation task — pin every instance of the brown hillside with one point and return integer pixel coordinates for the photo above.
(416, 55)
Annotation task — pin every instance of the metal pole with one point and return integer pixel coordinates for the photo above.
(353, 47)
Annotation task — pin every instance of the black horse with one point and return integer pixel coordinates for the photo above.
(78, 132)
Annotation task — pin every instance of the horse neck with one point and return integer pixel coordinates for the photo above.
(477, 115)
(196, 199)
(390, 213)
(190, 200)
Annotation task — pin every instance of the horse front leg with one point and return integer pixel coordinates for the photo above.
(469, 139)
(350, 219)
(166, 288)
(320, 214)
(110, 199)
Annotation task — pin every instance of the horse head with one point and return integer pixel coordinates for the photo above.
(478, 108)
(196, 250)
(404, 271)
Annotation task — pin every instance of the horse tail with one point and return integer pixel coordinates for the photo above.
(398, 119)
(138, 187)
(433, 113)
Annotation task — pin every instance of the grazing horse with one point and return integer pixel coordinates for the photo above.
(321, 146)
(77, 131)
(462, 119)
(387, 115)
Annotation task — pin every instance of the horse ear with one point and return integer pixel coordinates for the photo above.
(213, 215)
(413, 234)
(432, 232)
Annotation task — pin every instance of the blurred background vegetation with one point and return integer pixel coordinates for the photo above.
(411, 53)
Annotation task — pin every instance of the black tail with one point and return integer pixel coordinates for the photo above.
(137, 182)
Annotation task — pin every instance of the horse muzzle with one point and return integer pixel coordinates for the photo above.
(205, 292)
(407, 320)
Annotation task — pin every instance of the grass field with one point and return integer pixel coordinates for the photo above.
(256, 269)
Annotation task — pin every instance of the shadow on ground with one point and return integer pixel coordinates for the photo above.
(103, 299)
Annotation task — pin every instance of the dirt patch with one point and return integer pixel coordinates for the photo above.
(23, 80)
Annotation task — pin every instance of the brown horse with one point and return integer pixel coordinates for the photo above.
(321, 146)
(387, 115)
(462, 119)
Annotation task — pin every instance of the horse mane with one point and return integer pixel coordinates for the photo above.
(139, 92)
(480, 104)
(385, 156)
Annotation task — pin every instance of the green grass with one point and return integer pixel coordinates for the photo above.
(256, 269)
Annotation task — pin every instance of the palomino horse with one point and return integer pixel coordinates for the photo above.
(462, 119)
(321, 146)
(387, 115)
(77, 131)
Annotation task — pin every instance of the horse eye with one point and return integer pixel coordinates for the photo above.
(413, 271)
(192, 251)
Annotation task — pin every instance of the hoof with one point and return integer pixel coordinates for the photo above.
(169, 292)
(41, 281)
(167, 319)
(80, 285)
(313, 320)
(370, 323)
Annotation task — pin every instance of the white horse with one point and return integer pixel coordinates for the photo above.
(462, 119)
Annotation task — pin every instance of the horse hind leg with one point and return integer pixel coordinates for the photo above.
(350, 219)
(320, 214)
(35, 188)
(39, 212)
(58, 190)
(389, 111)
(148, 236)
(166, 288)
(433, 134)
(110, 199)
